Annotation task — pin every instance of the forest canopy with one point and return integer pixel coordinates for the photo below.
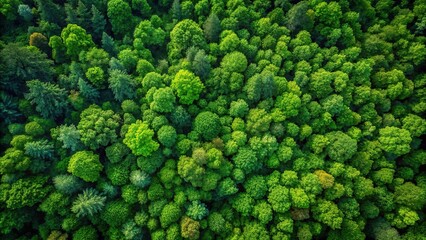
(212, 119)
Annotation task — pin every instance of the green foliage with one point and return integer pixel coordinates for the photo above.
(167, 136)
(163, 100)
(185, 34)
(279, 198)
(139, 139)
(67, 184)
(116, 213)
(85, 165)
(395, 140)
(119, 14)
(207, 124)
(14, 160)
(122, 85)
(197, 210)
(88, 203)
(76, 40)
(86, 232)
(69, 136)
(98, 127)
(187, 86)
(50, 100)
(26, 192)
(39, 149)
(20, 64)
(179, 119)
(170, 214)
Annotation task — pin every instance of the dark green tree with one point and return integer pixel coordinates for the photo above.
(50, 100)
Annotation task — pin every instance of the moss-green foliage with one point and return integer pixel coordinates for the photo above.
(85, 165)
(98, 127)
(179, 119)
(139, 139)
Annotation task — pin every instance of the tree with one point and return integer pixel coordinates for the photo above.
(341, 147)
(98, 23)
(13, 161)
(50, 12)
(190, 228)
(25, 12)
(108, 44)
(164, 100)
(85, 232)
(26, 192)
(238, 108)
(69, 136)
(122, 85)
(197, 210)
(67, 184)
(139, 178)
(191, 170)
(328, 213)
(40, 41)
(243, 204)
(187, 86)
(170, 214)
(88, 203)
(279, 199)
(98, 127)
(21, 64)
(410, 195)
(256, 186)
(116, 213)
(76, 40)
(50, 100)
(185, 34)
(212, 28)
(39, 149)
(246, 160)
(120, 16)
(320, 84)
(395, 140)
(167, 136)
(234, 62)
(146, 35)
(139, 139)
(207, 124)
(201, 64)
(85, 165)
(415, 124)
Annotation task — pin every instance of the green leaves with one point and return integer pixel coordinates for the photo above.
(85, 165)
(139, 139)
(98, 127)
(50, 100)
(395, 140)
(187, 86)
(76, 40)
(88, 203)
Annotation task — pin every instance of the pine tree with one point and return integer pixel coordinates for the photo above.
(71, 14)
(50, 12)
(67, 184)
(39, 149)
(176, 10)
(122, 85)
(84, 15)
(50, 100)
(108, 44)
(87, 90)
(212, 28)
(98, 24)
(88, 203)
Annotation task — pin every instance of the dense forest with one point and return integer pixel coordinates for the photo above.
(212, 119)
